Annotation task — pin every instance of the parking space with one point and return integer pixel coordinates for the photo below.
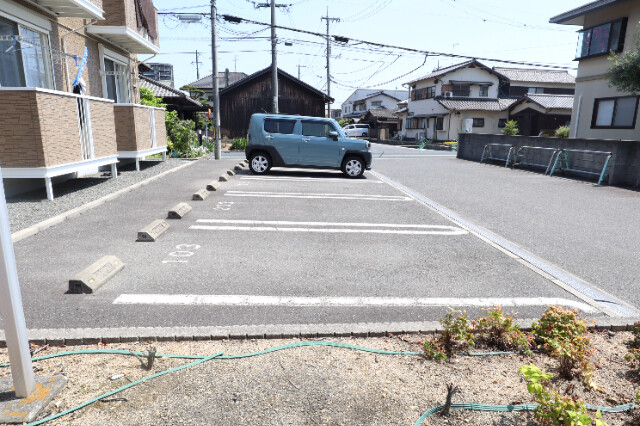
(291, 247)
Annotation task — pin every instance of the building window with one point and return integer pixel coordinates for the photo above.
(431, 92)
(116, 80)
(484, 91)
(411, 123)
(376, 104)
(440, 123)
(502, 122)
(461, 90)
(478, 122)
(617, 113)
(24, 60)
(535, 90)
(602, 39)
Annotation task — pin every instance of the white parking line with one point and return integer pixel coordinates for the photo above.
(327, 227)
(310, 179)
(309, 195)
(408, 302)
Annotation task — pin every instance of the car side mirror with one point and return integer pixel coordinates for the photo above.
(333, 135)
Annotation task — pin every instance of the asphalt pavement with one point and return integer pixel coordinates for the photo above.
(313, 250)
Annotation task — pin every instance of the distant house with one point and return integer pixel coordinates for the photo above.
(362, 100)
(472, 97)
(175, 99)
(162, 73)
(541, 113)
(600, 111)
(225, 78)
(383, 123)
(254, 94)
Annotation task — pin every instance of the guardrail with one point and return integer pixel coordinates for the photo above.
(492, 151)
(528, 155)
(565, 160)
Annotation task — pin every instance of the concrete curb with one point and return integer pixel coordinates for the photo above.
(91, 336)
(32, 230)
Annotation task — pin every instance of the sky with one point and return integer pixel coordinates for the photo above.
(514, 30)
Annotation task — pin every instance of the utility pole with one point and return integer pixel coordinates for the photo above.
(214, 80)
(328, 19)
(300, 66)
(197, 65)
(274, 51)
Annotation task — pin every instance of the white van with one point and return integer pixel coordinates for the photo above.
(357, 130)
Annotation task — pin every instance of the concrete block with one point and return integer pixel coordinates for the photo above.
(152, 232)
(213, 186)
(237, 168)
(179, 211)
(94, 276)
(24, 410)
(200, 195)
(231, 172)
(224, 178)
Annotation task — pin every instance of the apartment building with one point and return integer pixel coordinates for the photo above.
(48, 49)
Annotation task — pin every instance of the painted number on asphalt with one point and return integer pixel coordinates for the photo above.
(223, 205)
(182, 253)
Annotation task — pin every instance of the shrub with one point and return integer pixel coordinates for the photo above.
(554, 408)
(562, 132)
(239, 144)
(635, 331)
(510, 128)
(456, 336)
(501, 331)
(562, 335)
(182, 135)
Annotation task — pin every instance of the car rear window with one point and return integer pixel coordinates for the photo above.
(362, 126)
(279, 126)
(317, 128)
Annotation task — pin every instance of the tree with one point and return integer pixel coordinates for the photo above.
(147, 98)
(624, 73)
(195, 93)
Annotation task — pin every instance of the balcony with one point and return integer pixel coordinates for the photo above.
(47, 133)
(73, 8)
(129, 24)
(140, 131)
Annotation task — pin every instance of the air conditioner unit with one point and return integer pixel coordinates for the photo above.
(448, 94)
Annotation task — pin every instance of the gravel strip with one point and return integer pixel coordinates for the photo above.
(316, 385)
(33, 207)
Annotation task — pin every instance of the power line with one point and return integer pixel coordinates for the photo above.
(407, 49)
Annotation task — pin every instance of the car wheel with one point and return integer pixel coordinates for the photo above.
(259, 163)
(353, 167)
(364, 135)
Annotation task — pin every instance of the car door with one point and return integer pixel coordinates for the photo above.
(318, 148)
(283, 135)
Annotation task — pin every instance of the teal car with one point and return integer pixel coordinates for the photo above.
(276, 140)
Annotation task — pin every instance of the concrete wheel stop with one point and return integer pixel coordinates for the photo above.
(94, 276)
(26, 410)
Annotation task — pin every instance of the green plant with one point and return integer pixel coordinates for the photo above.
(239, 143)
(510, 128)
(181, 135)
(345, 122)
(633, 356)
(456, 335)
(147, 98)
(635, 331)
(562, 132)
(624, 73)
(554, 408)
(500, 330)
(562, 335)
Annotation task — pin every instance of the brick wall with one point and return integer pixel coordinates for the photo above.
(20, 141)
(143, 128)
(104, 128)
(58, 117)
(125, 128)
(161, 129)
(114, 13)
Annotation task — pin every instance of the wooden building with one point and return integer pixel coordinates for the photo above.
(253, 94)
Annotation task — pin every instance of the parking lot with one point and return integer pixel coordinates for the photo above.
(420, 233)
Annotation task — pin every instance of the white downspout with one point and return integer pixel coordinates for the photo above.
(575, 127)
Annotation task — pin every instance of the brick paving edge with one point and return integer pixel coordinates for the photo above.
(88, 336)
